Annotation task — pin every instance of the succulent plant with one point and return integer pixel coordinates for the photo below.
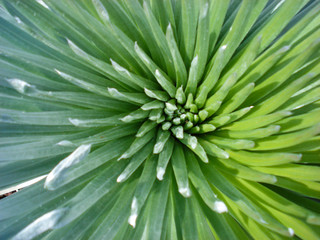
(160, 119)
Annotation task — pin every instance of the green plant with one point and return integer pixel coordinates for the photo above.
(206, 128)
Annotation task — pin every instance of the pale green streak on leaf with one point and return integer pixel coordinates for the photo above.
(230, 166)
(306, 188)
(286, 140)
(263, 159)
(165, 83)
(257, 122)
(230, 143)
(300, 121)
(269, 197)
(302, 100)
(251, 134)
(294, 171)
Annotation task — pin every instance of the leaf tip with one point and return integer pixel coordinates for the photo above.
(160, 173)
(186, 192)
(291, 232)
(220, 207)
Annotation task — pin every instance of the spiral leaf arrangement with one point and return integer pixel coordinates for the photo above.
(160, 119)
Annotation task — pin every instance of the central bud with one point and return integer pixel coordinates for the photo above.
(178, 115)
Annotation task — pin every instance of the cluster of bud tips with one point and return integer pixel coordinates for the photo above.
(179, 114)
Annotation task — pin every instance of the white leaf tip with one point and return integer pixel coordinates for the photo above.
(59, 173)
(132, 220)
(285, 48)
(186, 192)
(42, 224)
(160, 173)
(127, 118)
(224, 47)
(42, 3)
(74, 121)
(291, 232)
(298, 157)
(220, 207)
(136, 46)
(18, 85)
(121, 178)
(70, 43)
(196, 58)
(65, 143)
(123, 156)
(193, 142)
(273, 179)
(277, 128)
(157, 148)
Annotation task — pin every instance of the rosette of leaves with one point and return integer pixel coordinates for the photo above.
(160, 119)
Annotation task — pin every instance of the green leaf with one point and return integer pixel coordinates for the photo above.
(263, 159)
(286, 140)
(188, 30)
(158, 200)
(200, 183)
(56, 177)
(256, 122)
(231, 143)
(180, 69)
(137, 144)
(162, 138)
(180, 170)
(135, 161)
(252, 134)
(143, 189)
(241, 171)
(164, 158)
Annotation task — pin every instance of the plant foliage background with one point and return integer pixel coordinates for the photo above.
(160, 119)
